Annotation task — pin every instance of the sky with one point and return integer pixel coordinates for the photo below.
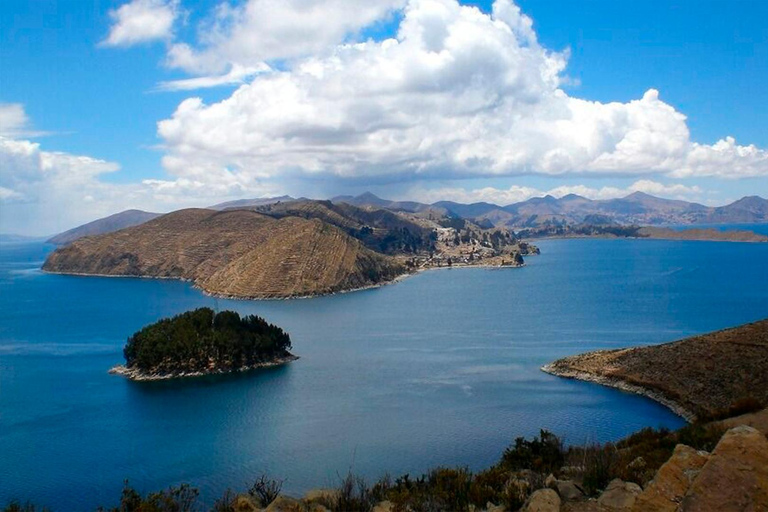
(107, 105)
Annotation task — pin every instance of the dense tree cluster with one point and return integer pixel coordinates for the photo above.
(200, 340)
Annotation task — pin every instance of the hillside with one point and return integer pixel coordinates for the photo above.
(115, 222)
(238, 253)
(698, 377)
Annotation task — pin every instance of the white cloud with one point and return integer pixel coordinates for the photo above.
(516, 193)
(140, 21)
(13, 119)
(248, 36)
(236, 75)
(44, 192)
(458, 93)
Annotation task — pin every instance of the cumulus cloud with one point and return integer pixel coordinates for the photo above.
(140, 21)
(457, 93)
(43, 192)
(516, 193)
(247, 36)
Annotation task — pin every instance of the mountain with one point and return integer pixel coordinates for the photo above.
(379, 229)
(245, 203)
(288, 249)
(745, 210)
(369, 199)
(115, 222)
(468, 211)
(238, 253)
(637, 208)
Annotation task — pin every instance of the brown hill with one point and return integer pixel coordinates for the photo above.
(237, 253)
(701, 376)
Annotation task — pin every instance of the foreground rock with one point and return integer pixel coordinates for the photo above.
(666, 491)
(543, 500)
(735, 477)
(696, 377)
(619, 496)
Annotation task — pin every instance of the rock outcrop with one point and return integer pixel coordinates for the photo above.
(543, 500)
(666, 491)
(735, 478)
(619, 496)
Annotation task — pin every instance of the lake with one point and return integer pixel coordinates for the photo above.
(439, 369)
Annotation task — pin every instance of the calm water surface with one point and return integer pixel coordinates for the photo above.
(440, 369)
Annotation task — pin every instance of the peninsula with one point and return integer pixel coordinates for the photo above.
(715, 374)
(203, 342)
(288, 250)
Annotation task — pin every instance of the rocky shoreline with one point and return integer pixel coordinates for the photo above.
(711, 375)
(138, 375)
(613, 382)
(394, 280)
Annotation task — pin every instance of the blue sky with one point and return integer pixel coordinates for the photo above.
(707, 59)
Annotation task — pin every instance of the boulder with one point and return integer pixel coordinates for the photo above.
(550, 481)
(735, 477)
(666, 491)
(490, 507)
(568, 491)
(285, 504)
(543, 500)
(619, 496)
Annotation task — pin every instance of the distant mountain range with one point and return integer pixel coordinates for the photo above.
(109, 224)
(635, 209)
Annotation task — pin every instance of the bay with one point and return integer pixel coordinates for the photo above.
(439, 369)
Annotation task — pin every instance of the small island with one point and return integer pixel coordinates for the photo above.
(203, 342)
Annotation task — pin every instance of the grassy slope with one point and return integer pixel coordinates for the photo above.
(704, 374)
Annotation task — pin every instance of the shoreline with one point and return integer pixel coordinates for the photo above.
(394, 280)
(622, 385)
(649, 238)
(137, 375)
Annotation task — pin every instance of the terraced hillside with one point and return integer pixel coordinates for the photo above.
(379, 229)
(239, 253)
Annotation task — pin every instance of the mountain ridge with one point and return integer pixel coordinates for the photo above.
(638, 208)
(109, 224)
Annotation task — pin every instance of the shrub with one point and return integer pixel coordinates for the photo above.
(265, 490)
(544, 454)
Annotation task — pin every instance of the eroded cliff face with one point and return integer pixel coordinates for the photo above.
(237, 253)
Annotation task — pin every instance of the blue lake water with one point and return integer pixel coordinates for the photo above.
(439, 369)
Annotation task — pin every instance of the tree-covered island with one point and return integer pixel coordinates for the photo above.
(203, 342)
